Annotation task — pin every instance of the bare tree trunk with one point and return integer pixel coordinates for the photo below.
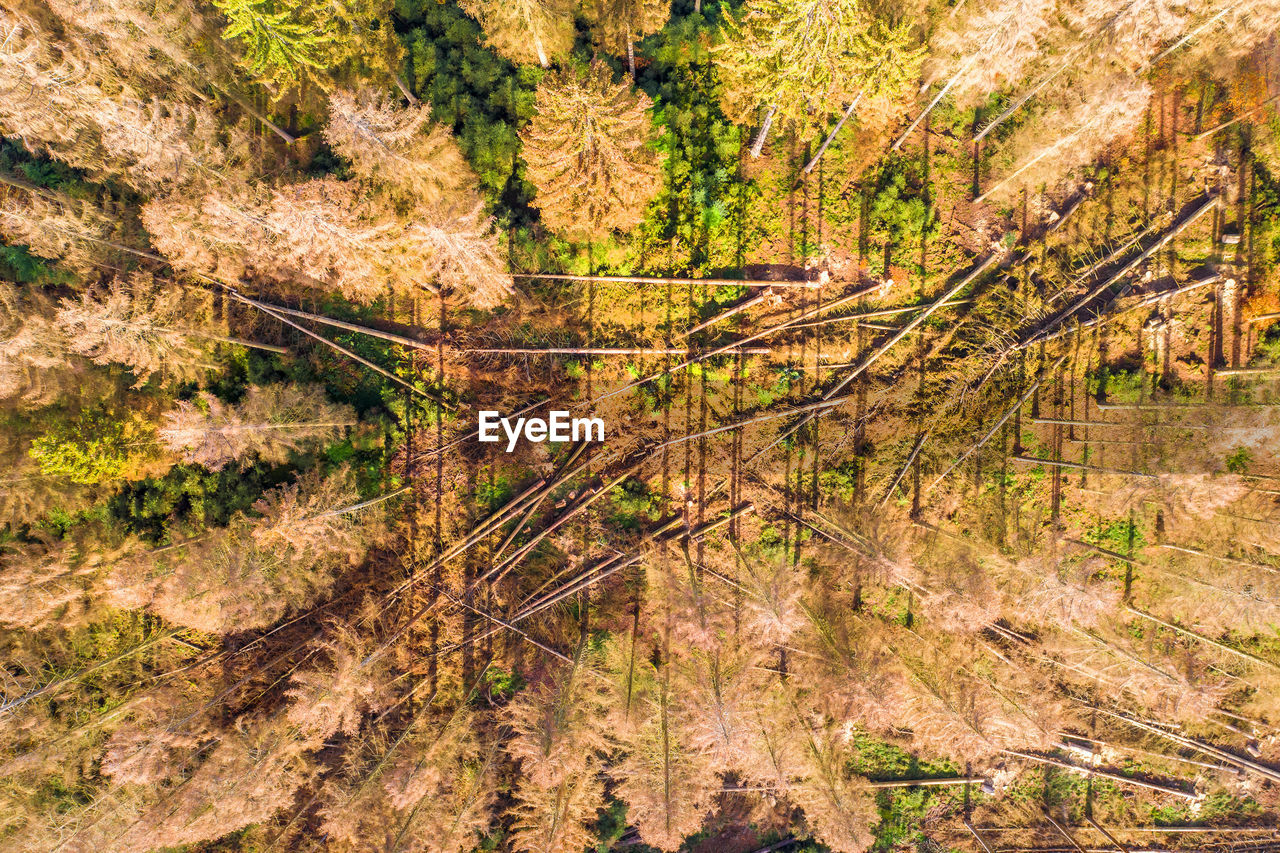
(631, 57)
(981, 843)
(644, 279)
(1053, 463)
(1252, 658)
(339, 324)
(1207, 555)
(1001, 422)
(601, 351)
(822, 149)
(386, 374)
(758, 145)
(1089, 771)
(404, 90)
(268, 123)
(906, 466)
(724, 315)
(1210, 202)
(1018, 104)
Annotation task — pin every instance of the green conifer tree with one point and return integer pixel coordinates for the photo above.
(280, 41)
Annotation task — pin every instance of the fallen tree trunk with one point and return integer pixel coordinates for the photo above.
(902, 472)
(1210, 201)
(758, 146)
(1197, 745)
(1186, 632)
(642, 279)
(1207, 555)
(848, 113)
(724, 315)
(1001, 422)
(1053, 463)
(601, 351)
(1103, 774)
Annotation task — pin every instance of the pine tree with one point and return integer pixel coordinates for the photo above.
(366, 48)
(616, 25)
(397, 147)
(525, 30)
(55, 81)
(257, 569)
(164, 730)
(335, 695)
(280, 41)
(329, 234)
(268, 424)
(559, 724)
(804, 62)
(557, 818)
(110, 119)
(147, 326)
(31, 347)
(30, 495)
(460, 252)
(47, 225)
(442, 785)
(105, 442)
(42, 584)
(253, 772)
(839, 813)
(588, 153)
(664, 778)
(991, 45)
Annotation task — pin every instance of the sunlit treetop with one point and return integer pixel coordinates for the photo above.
(807, 61)
(588, 152)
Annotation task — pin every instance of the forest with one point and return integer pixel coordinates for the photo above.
(937, 346)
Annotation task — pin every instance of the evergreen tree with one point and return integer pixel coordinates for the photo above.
(397, 147)
(525, 30)
(99, 444)
(991, 45)
(258, 568)
(149, 327)
(280, 41)
(267, 424)
(805, 61)
(330, 235)
(616, 25)
(31, 346)
(588, 152)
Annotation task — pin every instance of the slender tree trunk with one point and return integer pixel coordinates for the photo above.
(758, 145)
(1018, 104)
(404, 90)
(848, 112)
(699, 282)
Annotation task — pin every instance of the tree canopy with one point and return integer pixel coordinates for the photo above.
(589, 151)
